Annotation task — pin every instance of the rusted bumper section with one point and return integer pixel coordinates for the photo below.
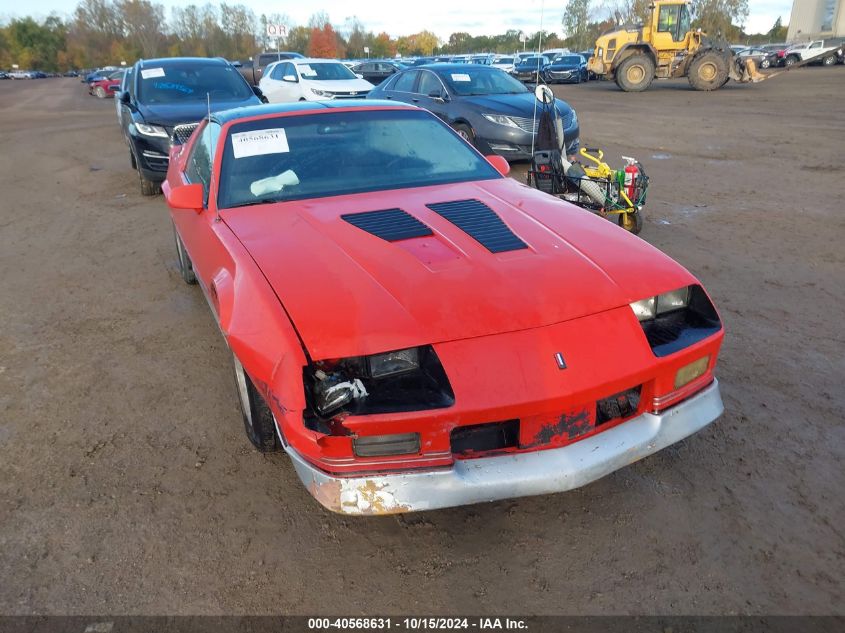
(518, 475)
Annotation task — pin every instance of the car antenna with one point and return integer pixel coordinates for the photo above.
(554, 105)
(211, 161)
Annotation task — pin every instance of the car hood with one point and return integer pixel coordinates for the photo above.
(339, 85)
(170, 114)
(565, 66)
(522, 104)
(349, 292)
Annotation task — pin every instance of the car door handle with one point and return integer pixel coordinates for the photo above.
(415, 100)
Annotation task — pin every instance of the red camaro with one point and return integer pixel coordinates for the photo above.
(106, 86)
(417, 330)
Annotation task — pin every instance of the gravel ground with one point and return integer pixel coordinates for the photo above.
(127, 486)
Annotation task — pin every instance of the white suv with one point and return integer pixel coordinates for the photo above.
(814, 49)
(311, 80)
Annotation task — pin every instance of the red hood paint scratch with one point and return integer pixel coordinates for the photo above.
(350, 292)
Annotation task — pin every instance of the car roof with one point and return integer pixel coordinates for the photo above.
(169, 61)
(250, 112)
(446, 66)
(310, 60)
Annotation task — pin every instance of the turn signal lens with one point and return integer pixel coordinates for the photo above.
(381, 445)
(688, 373)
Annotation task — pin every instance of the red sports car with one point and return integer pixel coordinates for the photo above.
(416, 329)
(106, 86)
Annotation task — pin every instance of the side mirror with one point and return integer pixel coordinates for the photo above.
(438, 95)
(124, 97)
(500, 163)
(289, 78)
(185, 197)
(260, 94)
(359, 75)
(237, 64)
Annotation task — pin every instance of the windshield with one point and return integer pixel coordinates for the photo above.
(337, 153)
(504, 60)
(534, 60)
(325, 71)
(481, 80)
(175, 83)
(569, 59)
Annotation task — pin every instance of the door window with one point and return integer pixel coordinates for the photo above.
(429, 83)
(406, 81)
(668, 21)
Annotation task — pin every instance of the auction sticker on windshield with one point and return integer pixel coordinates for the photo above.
(260, 142)
(149, 73)
(460, 77)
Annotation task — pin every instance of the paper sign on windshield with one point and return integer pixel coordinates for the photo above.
(460, 77)
(306, 70)
(260, 142)
(149, 73)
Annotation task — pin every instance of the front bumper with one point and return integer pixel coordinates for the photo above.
(518, 475)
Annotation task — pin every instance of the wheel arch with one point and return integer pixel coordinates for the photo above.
(632, 48)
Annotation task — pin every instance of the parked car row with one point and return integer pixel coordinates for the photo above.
(777, 55)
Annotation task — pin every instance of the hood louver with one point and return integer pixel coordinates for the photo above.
(481, 223)
(391, 225)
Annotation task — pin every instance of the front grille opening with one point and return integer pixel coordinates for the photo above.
(618, 406)
(483, 438)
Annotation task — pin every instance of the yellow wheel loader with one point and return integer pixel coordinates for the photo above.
(666, 47)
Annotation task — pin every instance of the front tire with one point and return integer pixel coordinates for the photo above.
(708, 71)
(259, 423)
(465, 132)
(830, 60)
(765, 64)
(790, 61)
(100, 92)
(635, 73)
(148, 187)
(186, 266)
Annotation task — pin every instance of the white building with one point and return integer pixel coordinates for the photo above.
(816, 19)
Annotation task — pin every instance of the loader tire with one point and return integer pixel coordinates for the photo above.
(635, 73)
(708, 71)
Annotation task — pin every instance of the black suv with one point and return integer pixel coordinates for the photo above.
(160, 94)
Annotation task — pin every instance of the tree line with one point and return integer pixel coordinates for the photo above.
(104, 32)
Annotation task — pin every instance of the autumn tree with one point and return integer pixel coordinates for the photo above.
(323, 42)
(717, 17)
(143, 25)
(576, 22)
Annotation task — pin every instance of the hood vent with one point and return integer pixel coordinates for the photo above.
(391, 225)
(481, 223)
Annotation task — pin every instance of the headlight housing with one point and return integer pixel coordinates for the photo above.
(151, 130)
(676, 319)
(500, 119)
(321, 93)
(409, 379)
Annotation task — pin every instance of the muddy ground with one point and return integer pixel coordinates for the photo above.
(127, 485)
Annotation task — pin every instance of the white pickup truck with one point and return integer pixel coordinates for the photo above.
(815, 49)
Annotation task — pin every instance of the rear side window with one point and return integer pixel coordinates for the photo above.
(405, 82)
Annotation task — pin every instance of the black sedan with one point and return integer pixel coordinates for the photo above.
(531, 68)
(485, 105)
(566, 69)
(377, 71)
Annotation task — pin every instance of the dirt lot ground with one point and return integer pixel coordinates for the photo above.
(127, 486)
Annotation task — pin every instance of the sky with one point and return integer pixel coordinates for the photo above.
(443, 17)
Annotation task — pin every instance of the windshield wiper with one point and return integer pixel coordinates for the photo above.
(252, 203)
